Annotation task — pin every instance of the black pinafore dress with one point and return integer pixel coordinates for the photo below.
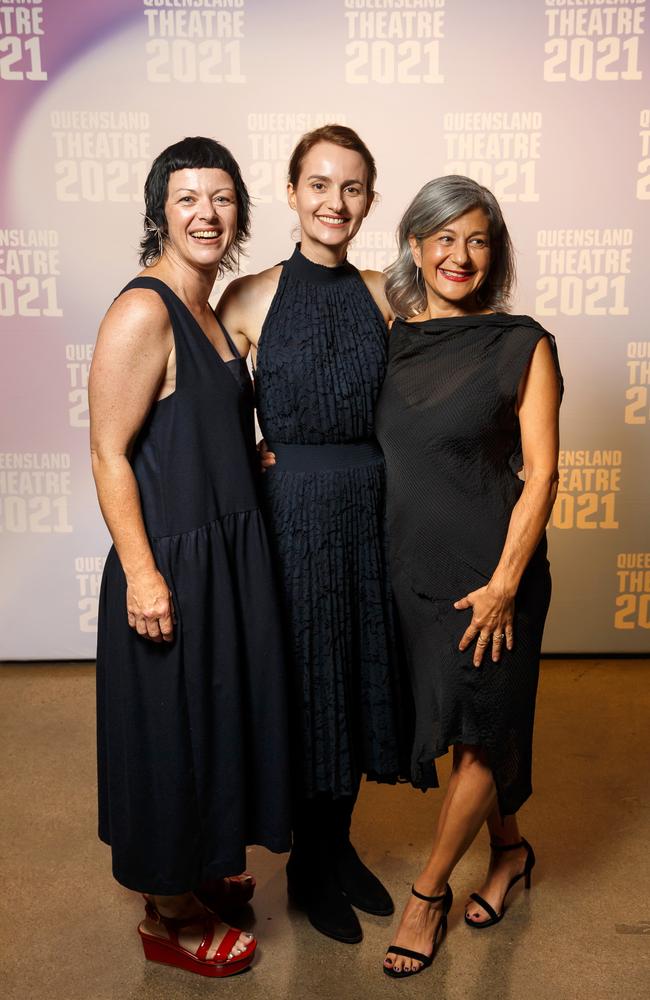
(192, 748)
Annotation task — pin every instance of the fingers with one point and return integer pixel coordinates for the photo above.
(150, 608)
(166, 625)
(463, 604)
(157, 627)
(482, 643)
(485, 637)
(497, 643)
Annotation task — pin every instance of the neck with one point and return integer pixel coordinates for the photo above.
(438, 308)
(192, 285)
(320, 253)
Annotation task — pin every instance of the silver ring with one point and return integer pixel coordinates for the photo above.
(501, 635)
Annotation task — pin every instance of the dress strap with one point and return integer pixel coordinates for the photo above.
(229, 340)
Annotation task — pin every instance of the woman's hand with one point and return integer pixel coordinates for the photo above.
(492, 617)
(267, 457)
(149, 607)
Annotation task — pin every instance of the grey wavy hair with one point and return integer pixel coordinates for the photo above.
(435, 205)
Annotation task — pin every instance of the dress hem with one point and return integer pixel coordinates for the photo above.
(233, 866)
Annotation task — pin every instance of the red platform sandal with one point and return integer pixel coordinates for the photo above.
(170, 951)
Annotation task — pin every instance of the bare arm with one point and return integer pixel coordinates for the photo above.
(130, 370)
(243, 307)
(493, 605)
(375, 282)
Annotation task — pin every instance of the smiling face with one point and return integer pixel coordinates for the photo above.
(455, 262)
(201, 213)
(331, 199)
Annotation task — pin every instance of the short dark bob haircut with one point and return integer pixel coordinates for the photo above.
(191, 153)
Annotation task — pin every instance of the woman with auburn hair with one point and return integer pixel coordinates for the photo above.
(471, 396)
(317, 327)
(191, 689)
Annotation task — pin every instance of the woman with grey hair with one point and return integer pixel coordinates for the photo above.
(471, 398)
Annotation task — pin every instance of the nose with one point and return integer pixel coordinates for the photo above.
(207, 210)
(335, 199)
(460, 255)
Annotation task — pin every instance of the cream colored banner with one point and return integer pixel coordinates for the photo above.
(545, 101)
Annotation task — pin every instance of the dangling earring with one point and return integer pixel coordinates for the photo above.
(151, 227)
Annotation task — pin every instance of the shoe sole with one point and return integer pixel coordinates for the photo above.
(161, 951)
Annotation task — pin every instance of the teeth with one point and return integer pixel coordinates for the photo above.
(332, 220)
(205, 234)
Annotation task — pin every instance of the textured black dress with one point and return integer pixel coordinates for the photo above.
(321, 363)
(448, 426)
(193, 761)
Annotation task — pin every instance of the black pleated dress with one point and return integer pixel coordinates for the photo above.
(192, 735)
(321, 362)
(448, 426)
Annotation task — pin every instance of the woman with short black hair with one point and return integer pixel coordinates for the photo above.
(193, 761)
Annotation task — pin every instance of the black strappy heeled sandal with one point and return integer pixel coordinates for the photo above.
(446, 899)
(495, 917)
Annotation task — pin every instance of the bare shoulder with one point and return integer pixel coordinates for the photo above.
(244, 304)
(140, 314)
(250, 288)
(541, 380)
(375, 282)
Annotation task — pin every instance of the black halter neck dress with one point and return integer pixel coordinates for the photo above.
(321, 363)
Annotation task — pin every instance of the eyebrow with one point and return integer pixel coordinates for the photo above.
(477, 232)
(320, 177)
(226, 187)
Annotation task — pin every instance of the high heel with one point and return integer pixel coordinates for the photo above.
(495, 917)
(446, 899)
(170, 951)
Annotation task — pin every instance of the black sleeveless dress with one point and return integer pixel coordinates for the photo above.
(193, 761)
(321, 362)
(448, 426)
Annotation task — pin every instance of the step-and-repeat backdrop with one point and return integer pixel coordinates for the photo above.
(545, 101)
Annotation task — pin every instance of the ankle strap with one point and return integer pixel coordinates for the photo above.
(173, 923)
(429, 899)
(509, 847)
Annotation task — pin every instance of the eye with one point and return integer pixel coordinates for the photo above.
(445, 239)
(187, 197)
(353, 190)
(318, 186)
(224, 199)
(479, 243)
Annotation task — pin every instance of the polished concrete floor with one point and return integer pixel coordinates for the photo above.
(68, 930)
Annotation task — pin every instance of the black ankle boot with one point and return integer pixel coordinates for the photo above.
(361, 887)
(327, 908)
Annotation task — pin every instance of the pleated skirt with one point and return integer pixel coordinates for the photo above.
(327, 528)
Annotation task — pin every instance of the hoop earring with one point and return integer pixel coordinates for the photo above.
(151, 227)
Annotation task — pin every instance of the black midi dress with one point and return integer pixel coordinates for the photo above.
(321, 361)
(192, 735)
(448, 426)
